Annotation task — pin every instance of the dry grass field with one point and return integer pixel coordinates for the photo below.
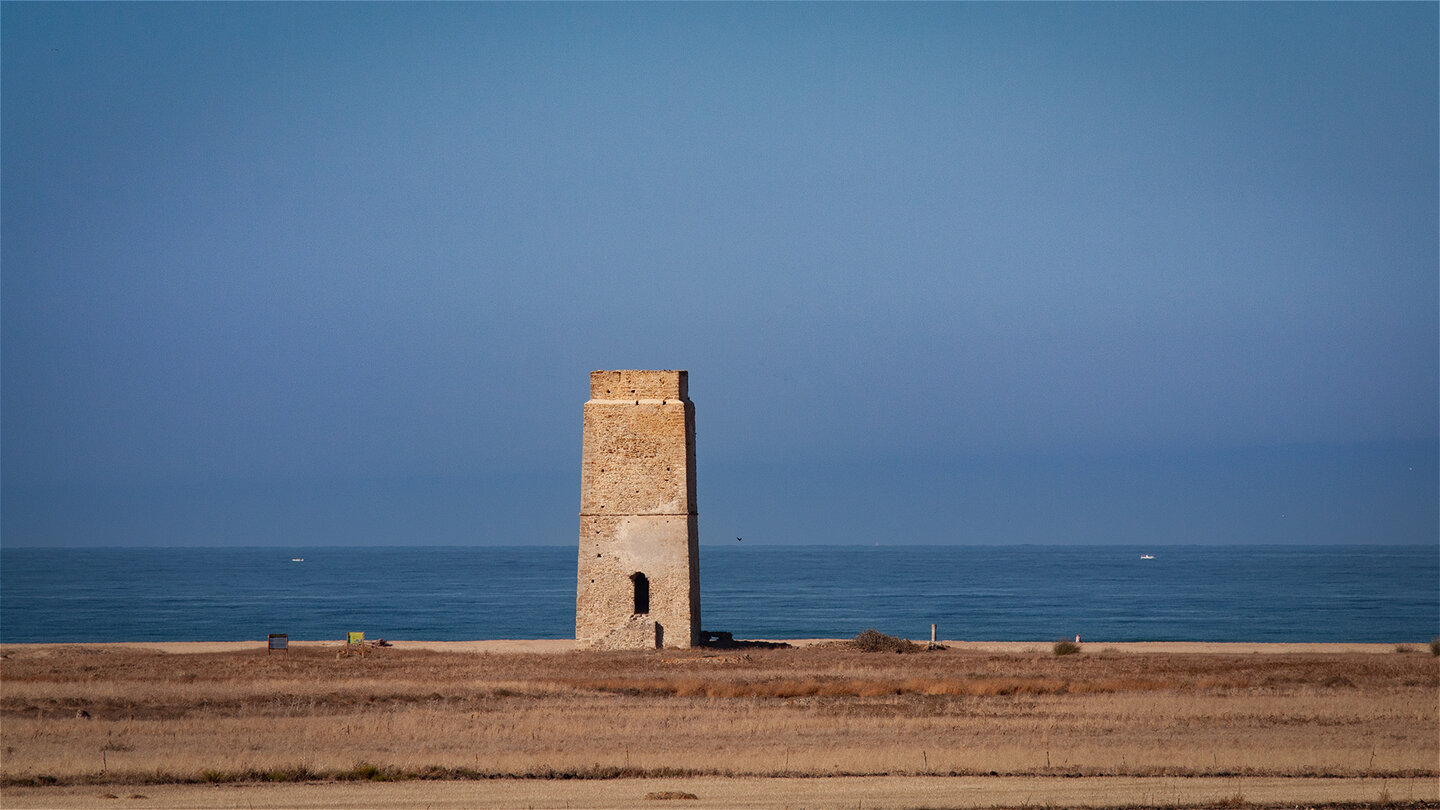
(111, 715)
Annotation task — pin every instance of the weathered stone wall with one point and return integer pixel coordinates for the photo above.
(637, 512)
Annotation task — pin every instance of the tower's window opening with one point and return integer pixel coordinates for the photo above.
(642, 592)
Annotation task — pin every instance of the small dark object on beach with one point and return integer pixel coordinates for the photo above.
(876, 641)
(671, 794)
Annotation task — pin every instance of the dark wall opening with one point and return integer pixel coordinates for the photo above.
(642, 592)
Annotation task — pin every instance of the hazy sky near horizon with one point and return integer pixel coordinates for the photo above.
(337, 273)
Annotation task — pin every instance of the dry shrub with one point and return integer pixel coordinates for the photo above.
(875, 641)
(364, 770)
(1066, 648)
(670, 794)
(1435, 646)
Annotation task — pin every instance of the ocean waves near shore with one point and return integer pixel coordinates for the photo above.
(1103, 593)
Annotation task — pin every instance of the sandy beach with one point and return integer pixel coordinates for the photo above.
(537, 723)
(568, 645)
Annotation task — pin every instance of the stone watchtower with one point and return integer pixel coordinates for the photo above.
(639, 573)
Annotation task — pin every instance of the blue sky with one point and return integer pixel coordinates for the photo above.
(993, 273)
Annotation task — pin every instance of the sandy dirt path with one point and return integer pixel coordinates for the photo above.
(839, 792)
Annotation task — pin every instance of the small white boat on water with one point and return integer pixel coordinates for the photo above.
(297, 559)
(1147, 556)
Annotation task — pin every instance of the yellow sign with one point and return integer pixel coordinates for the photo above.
(357, 638)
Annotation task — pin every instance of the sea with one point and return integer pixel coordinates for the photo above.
(1388, 594)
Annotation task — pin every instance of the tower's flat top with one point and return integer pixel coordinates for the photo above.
(639, 384)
